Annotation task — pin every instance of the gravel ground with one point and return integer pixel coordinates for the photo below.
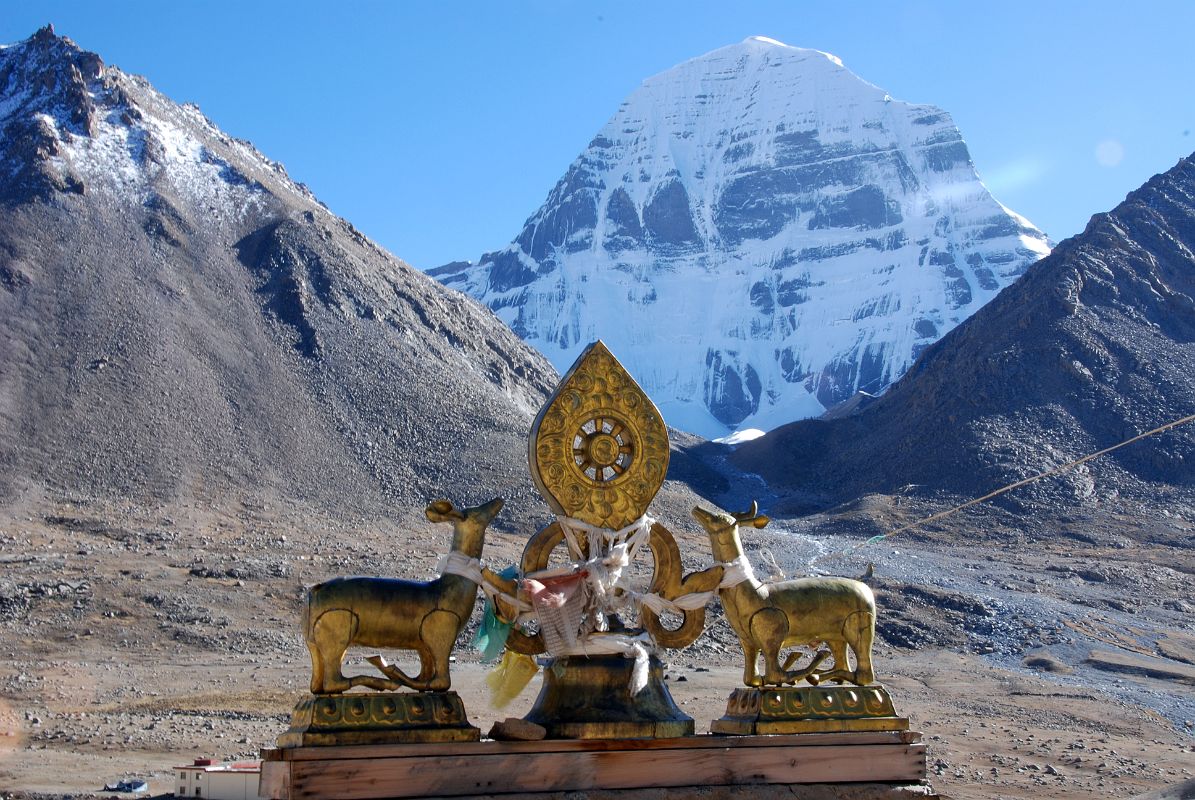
(135, 639)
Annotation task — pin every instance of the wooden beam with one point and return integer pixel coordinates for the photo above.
(721, 762)
(572, 745)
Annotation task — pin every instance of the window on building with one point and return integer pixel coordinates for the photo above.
(198, 791)
(182, 776)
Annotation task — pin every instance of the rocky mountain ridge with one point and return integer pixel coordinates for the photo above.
(179, 319)
(1093, 345)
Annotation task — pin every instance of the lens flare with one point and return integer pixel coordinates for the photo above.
(1109, 153)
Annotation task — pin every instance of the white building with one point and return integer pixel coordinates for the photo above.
(206, 778)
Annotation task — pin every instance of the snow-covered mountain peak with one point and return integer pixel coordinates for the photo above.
(764, 40)
(758, 234)
(765, 43)
(752, 61)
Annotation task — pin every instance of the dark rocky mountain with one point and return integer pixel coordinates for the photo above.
(1094, 344)
(179, 319)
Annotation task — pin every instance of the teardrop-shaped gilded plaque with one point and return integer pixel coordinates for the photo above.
(599, 449)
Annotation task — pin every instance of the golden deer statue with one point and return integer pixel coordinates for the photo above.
(425, 617)
(770, 616)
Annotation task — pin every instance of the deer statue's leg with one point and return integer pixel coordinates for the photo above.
(395, 677)
(769, 629)
(807, 672)
(375, 683)
(750, 663)
(842, 667)
(328, 640)
(431, 676)
(799, 653)
(863, 626)
(317, 668)
(438, 633)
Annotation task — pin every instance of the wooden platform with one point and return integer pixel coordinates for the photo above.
(493, 768)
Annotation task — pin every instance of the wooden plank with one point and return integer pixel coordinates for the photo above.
(275, 780)
(357, 779)
(574, 745)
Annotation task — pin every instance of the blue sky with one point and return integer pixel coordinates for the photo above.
(438, 128)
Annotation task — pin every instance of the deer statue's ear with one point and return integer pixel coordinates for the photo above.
(760, 521)
(442, 511)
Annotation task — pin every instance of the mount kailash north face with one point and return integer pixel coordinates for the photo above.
(758, 234)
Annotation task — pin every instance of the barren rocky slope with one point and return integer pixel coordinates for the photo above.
(1094, 344)
(180, 321)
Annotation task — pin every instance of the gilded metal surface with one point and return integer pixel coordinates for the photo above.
(536, 554)
(379, 718)
(770, 616)
(598, 452)
(666, 581)
(599, 449)
(425, 617)
(809, 709)
(589, 698)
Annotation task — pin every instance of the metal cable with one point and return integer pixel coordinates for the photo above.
(1004, 489)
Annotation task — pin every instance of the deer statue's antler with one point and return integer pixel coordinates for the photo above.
(752, 517)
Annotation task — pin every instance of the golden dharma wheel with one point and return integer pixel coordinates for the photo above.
(598, 449)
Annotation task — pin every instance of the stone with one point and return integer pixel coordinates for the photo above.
(513, 729)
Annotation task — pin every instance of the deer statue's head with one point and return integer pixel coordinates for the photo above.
(723, 529)
(468, 525)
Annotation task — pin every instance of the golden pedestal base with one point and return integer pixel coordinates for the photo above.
(590, 698)
(809, 709)
(379, 718)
